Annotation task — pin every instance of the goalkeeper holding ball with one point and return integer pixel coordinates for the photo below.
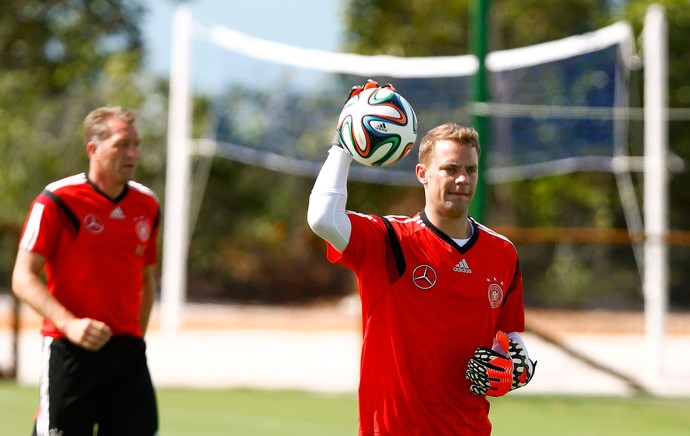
(441, 295)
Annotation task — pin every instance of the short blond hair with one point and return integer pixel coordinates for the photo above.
(450, 132)
(96, 123)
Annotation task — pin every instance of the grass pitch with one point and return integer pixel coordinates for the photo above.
(285, 413)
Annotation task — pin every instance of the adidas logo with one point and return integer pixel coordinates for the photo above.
(462, 267)
(117, 214)
(381, 127)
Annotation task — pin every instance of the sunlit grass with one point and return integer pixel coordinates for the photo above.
(280, 413)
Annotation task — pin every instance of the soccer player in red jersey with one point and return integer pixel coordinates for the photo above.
(95, 234)
(438, 291)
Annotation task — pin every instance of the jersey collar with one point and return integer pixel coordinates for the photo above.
(465, 248)
(114, 200)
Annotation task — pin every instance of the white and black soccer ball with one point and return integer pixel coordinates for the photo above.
(378, 127)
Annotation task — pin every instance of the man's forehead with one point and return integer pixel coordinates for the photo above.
(448, 150)
(121, 128)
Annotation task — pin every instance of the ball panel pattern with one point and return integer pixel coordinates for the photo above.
(377, 127)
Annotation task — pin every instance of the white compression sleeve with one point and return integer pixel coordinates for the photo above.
(326, 213)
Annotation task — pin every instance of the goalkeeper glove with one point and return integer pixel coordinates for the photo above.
(369, 85)
(491, 371)
(523, 366)
(488, 370)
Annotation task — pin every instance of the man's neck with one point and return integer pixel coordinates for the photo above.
(108, 187)
(454, 227)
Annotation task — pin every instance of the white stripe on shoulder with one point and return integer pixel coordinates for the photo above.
(373, 218)
(401, 218)
(493, 232)
(33, 227)
(76, 179)
(363, 215)
(142, 188)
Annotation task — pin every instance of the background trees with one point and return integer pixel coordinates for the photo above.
(60, 59)
(581, 274)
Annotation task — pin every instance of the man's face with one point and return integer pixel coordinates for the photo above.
(116, 157)
(450, 178)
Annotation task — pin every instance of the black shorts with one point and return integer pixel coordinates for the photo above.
(110, 388)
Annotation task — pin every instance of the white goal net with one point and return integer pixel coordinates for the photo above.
(556, 108)
(279, 103)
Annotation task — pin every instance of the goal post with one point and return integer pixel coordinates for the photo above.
(178, 175)
(655, 280)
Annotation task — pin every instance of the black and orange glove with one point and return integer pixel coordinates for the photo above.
(491, 371)
(523, 366)
(503, 368)
(368, 85)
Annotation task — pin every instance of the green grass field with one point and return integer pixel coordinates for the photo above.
(286, 413)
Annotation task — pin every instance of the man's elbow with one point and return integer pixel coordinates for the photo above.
(19, 280)
(317, 221)
(26, 272)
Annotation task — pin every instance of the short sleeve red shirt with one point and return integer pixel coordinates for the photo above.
(427, 304)
(95, 249)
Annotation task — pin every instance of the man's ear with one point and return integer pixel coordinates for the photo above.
(91, 148)
(420, 171)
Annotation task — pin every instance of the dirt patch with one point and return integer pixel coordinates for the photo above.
(600, 322)
(345, 315)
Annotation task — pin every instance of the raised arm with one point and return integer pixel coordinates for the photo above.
(326, 213)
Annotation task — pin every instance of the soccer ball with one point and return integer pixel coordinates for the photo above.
(377, 127)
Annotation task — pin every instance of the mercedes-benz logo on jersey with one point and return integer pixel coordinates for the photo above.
(424, 277)
(93, 224)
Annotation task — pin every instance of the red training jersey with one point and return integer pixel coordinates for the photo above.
(95, 249)
(427, 304)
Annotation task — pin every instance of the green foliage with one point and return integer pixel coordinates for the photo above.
(568, 275)
(58, 60)
(407, 28)
(252, 242)
(678, 21)
(253, 255)
(442, 27)
(576, 200)
(581, 275)
(57, 42)
(527, 22)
